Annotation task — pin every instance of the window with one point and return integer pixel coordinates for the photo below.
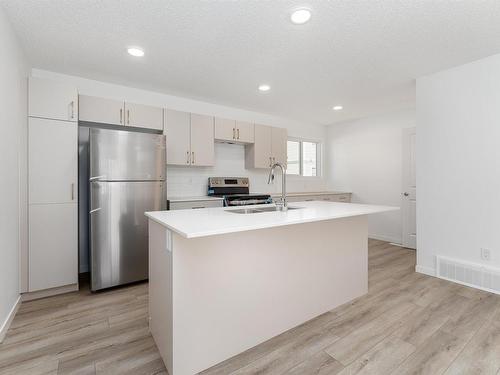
(303, 158)
(293, 157)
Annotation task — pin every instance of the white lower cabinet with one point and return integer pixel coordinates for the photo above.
(53, 252)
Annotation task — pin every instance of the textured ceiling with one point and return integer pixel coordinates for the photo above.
(363, 54)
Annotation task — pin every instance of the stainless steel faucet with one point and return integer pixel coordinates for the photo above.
(282, 205)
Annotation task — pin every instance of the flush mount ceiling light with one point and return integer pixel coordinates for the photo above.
(300, 16)
(135, 51)
(338, 108)
(264, 88)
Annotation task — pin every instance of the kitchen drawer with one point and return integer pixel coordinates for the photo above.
(184, 205)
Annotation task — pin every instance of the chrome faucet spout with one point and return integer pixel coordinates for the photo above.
(282, 205)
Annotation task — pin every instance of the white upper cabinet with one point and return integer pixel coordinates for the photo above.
(119, 112)
(225, 129)
(269, 147)
(53, 161)
(258, 154)
(190, 139)
(233, 131)
(143, 116)
(52, 100)
(178, 132)
(278, 146)
(244, 131)
(106, 111)
(202, 140)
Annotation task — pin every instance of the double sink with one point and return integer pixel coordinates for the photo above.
(259, 209)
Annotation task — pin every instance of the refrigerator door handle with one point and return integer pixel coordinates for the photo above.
(95, 178)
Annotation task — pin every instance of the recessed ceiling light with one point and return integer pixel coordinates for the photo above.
(300, 16)
(264, 88)
(134, 51)
(338, 108)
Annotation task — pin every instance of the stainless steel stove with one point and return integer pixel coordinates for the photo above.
(235, 191)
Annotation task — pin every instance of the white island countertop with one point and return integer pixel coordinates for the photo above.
(213, 221)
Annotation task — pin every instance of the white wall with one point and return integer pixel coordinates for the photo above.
(365, 157)
(13, 196)
(186, 181)
(458, 164)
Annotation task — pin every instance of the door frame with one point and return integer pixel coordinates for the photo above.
(406, 178)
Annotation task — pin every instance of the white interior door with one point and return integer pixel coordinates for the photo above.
(409, 195)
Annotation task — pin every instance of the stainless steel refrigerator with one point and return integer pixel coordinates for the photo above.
(126, 177)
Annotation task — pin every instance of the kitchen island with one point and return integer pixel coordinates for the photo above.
(223, 280)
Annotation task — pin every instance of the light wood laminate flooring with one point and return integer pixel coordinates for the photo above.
(408, 323)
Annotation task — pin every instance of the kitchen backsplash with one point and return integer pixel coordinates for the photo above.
(230, 162)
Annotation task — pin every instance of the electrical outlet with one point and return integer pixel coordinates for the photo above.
(485, 254)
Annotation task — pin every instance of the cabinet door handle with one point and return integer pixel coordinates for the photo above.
(73, 191)
(72, 104)
(192, 157)
(128, 116)
(238, 133)
(187, 161)
(234, 137)
(121, 115)
(270, 161)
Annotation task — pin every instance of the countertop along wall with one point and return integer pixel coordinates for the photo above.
(13, 168)
(229, 159)
(365, 157)
(458, 164)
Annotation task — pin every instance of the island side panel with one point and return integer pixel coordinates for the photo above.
(234, 291)
(160, 290)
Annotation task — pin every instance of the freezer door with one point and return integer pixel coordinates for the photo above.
(117, 155)
(119, 230)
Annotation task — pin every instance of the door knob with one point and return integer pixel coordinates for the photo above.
(406, 194)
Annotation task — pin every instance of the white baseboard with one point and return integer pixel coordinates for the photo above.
(6, 325)
(425, 270)
(382, 237)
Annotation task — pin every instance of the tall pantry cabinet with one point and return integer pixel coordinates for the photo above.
(53, 185)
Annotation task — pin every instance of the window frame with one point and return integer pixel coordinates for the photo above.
(319, 159)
